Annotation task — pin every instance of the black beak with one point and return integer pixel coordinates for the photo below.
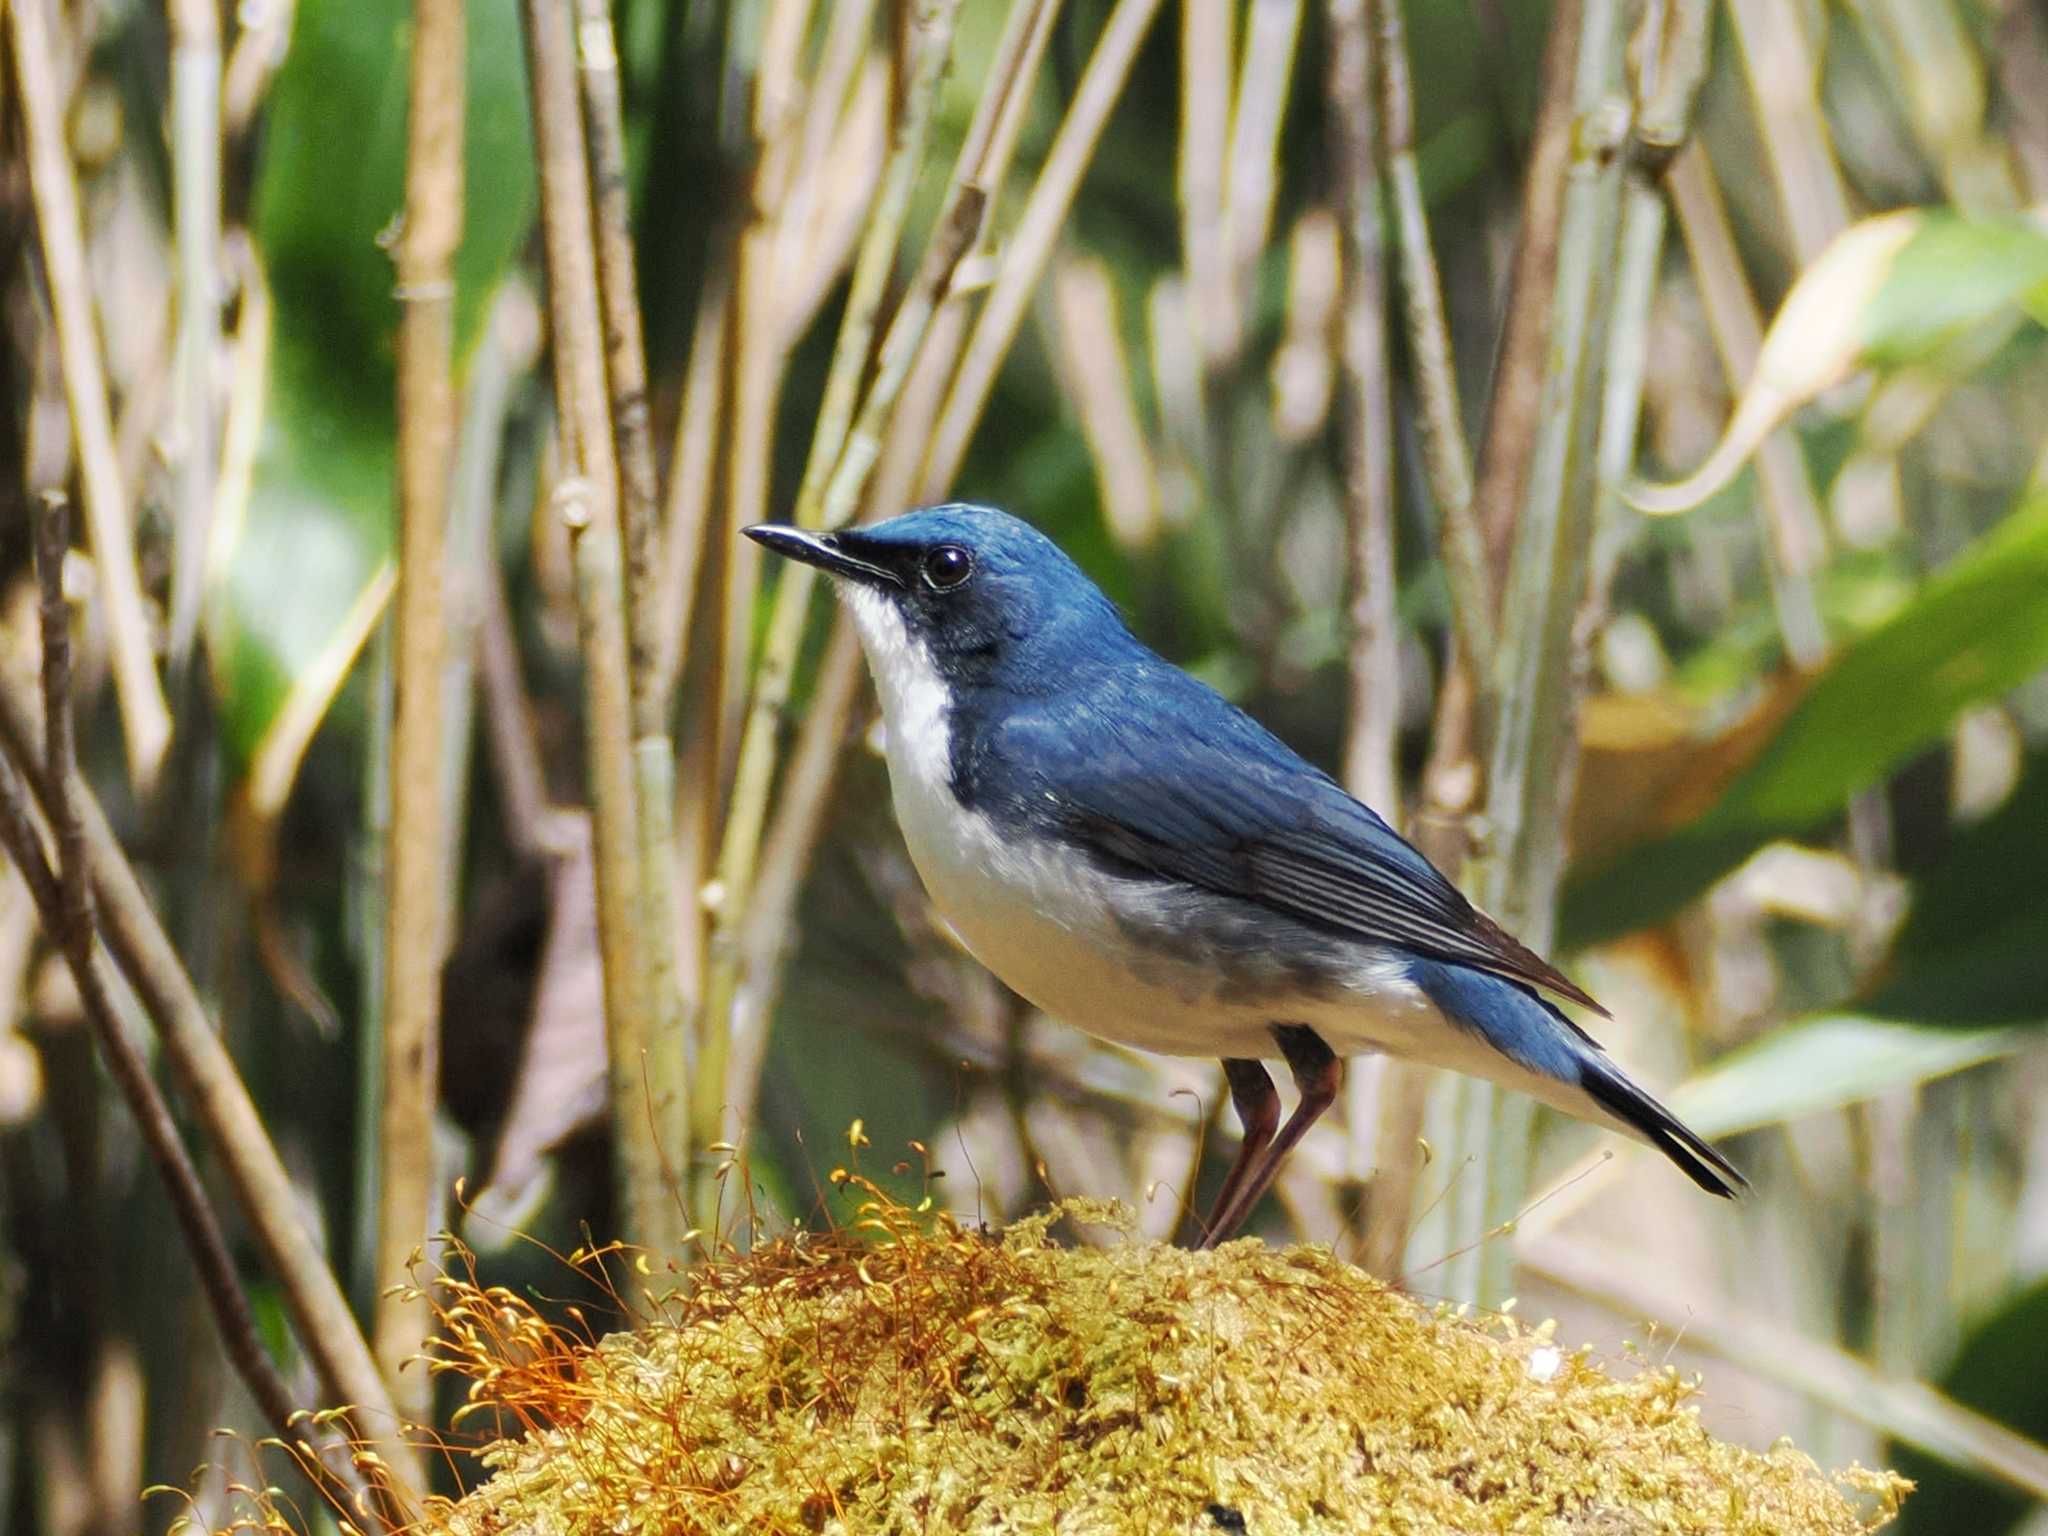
(828, 552)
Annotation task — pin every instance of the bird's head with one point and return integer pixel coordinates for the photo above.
(980, 597)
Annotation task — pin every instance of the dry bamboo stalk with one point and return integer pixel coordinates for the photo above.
(984, 160)
(665, 1091)
(1273, 28)
(1367, 424)
(693, 470)
(740, 854)
(416, 887)
(587, 498)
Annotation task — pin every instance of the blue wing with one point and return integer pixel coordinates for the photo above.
(1157, 772)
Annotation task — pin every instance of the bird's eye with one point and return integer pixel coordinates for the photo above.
(946, 567)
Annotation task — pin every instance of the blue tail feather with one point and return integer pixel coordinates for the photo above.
(1529, 1031)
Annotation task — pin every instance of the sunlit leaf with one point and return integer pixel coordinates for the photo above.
(1976, 630)
(1817, 1064)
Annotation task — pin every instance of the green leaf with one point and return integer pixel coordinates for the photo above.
(1952, 274)
(320, 518)
(1976, 630)
(1827, 1062)
(1998, 1372)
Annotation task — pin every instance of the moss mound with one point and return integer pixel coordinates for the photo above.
(920, 1378)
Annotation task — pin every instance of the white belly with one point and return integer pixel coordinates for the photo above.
(1048, 927)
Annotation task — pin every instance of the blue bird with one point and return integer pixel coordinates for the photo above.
(1137, 856)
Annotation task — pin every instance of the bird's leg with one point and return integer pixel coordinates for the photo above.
(1318, 1073)
(1258, 1111)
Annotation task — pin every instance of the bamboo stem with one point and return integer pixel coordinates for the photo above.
(1512, 417)
(145, 717)
(587, 498)
(625, 356)
(693, 471)
(1446, 456)
(664, 1087)
(984, 161)
(877, 259)
(416, 891)
(1206, 46)
(1533, 758)
(1392, 1091)
(1265, 72)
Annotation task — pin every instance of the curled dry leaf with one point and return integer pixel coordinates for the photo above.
(1903, 287)
(1815, 341)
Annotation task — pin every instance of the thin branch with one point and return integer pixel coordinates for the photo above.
(145, 718)
(1031, 243)
(1446, 457)
(416, 891)
(214, 1091)
(218, 1280)
(587, 497)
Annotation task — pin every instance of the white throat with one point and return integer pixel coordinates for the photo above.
(912, 693)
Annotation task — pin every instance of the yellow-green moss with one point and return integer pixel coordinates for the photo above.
(944, 1381)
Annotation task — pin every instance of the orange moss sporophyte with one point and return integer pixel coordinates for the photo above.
(904, 1372)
